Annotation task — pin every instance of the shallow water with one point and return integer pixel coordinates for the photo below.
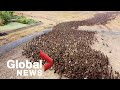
(11, 26)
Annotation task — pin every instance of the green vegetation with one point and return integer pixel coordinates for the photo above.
(8, 17)
(24, 20)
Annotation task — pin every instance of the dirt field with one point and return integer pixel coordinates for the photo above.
(107, 43)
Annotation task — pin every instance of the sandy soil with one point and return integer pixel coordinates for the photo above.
(114, 24)
(58, 16)
(108, 43)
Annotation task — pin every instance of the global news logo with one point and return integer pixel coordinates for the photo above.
(31, 69)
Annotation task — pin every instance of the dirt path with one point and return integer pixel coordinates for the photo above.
(109, 44)
(14, 44)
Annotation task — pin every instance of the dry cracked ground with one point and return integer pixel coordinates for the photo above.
(108, 39)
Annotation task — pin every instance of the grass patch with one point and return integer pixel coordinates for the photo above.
(8, 17)
(9, 21)
(24, 20)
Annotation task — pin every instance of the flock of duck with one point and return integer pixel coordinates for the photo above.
(71, 51)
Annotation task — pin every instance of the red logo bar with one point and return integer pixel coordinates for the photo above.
(46, 58)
